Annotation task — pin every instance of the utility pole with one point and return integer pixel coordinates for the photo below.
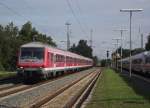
(142, 41)
(107, 58)
(131, 12)
(91, 38)
(117, 43)
(141, 35)
(68, 35)
(115, 57)
(121, 31)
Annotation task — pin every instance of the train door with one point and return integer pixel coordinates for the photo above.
(65, 61)
(52, 60)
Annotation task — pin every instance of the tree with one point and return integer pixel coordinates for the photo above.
(95, 60)
(11, 38)
(29, 34)
(82, 49)
(125, 52)
(8, 46)
(147, 45)
(73, 49)
(103, 62)
(137, 51)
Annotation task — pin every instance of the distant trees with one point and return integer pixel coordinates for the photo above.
(29, 33)
(147, 45)
(126, 52)
(95, 60)
(82, 49)
(11, 38)
(105, 62)
(137, 50)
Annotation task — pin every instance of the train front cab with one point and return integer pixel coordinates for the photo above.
(31, 62)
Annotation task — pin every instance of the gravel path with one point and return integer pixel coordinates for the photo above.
(27, 97)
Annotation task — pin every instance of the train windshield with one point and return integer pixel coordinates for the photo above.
(147, 60)
(32, 53)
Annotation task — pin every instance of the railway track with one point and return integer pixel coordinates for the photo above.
(67, 96)
(10, 82)
(8, 87)
(25, 96)
(5, 91)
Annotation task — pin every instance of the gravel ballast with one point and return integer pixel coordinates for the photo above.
(27, 97)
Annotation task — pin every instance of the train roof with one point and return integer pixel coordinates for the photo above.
(54, 49)
(140, 55)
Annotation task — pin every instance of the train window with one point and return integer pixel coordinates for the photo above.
(58, 58)
(67, 59)
(52, 57)
(32, 53)
(61, 58)
(140, 61)
(147, 60)
(137, 61)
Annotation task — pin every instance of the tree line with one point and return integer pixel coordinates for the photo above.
(126, 52)
(82, 48)
(11, 37)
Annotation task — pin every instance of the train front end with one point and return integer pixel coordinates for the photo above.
(31, 61)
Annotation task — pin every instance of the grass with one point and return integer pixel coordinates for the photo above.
(115, 91)
(4, 74)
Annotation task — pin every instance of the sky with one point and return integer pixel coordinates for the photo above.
(102, 16)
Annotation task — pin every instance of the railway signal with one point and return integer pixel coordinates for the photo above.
(107, 54)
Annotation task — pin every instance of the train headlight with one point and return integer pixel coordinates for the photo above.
(21, 67)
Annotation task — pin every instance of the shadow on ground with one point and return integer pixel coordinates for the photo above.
(11, 80)
(140, 86)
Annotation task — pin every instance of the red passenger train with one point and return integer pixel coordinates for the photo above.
(39, 60)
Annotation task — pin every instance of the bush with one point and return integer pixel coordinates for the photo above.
(1, 67)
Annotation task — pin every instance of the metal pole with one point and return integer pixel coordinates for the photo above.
(117, 52)
(117, 56)
(121, 50)
(130, 70)
(130, 10)
(142, 41)
(91, 38)
(68, 35)
(121, 31)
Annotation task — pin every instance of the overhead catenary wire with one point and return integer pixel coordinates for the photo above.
(11, 10)
(31, 8)
(27, 4)
(78, 21)
(19, 14)
(80, 11)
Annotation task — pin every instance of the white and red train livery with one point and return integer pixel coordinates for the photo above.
(40, 60)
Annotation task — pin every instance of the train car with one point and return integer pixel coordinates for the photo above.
(140, 62)
(38, 60)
